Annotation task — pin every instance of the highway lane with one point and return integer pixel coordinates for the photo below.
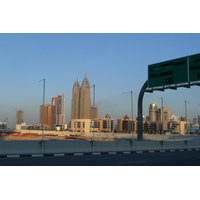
(182, 158)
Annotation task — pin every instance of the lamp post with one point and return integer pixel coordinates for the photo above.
(42, 142)
(93, 111)
(162, 110)
(131, 112)
(186, 115)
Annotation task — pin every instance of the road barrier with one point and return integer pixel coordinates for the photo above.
(74, 146)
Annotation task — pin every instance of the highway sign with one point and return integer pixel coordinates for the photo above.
(176, 71)
(168, 72)
(194, 69)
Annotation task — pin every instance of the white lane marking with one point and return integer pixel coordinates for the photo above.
(96, 159)
(13, 156)
(96, 153)
(78, 154)
(59, 154)
(37, 155)
(111, 152)
(133, 162)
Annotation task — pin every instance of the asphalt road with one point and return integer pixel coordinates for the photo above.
(178, 158)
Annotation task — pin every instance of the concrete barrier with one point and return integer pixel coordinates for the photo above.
(147, 145)
(192, 144)
(101, 146)
(73, 146)
(21, 147)
(2, 147)
(59, 146)
(174, 145)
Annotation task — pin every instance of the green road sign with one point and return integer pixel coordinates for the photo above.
(194, 68)
(168, 72)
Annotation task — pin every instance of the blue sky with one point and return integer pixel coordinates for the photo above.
(115, 63)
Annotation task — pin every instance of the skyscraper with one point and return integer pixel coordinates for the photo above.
(19, 117)
(81, 101)
(75, 101)
(61, 119)
(47, 115)
(54, 103)
(85, 100)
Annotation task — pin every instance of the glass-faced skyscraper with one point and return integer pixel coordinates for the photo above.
(59, 117)
(81, 101)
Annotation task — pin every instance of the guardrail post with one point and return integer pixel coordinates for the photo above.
(186, 143)
(92, 143)
(42, 145)
(162, 144)
(132, 145)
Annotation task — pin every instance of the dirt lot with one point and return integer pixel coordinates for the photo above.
(36, 137)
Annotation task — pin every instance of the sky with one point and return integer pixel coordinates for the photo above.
(125, 37)
(116, 63)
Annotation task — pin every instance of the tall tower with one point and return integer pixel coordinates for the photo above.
(75, 101)
(153, 112)
(19, 117)
(54, 103)
(61, 118)
(47, 115)
(85, 100)
(163, 115)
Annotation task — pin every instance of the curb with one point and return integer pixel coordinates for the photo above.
(94, 153)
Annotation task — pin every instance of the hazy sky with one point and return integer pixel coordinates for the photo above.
(115, 63)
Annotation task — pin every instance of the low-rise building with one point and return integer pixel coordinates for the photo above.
(126, 125)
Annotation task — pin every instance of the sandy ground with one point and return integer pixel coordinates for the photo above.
(53, 138)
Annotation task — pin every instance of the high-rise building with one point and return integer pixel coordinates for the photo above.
(48, 110)
(153, 112)
(94, 112)
(163, 115)
(75, 101)
(58, 115)
(81, 101)
(198, 119)
(85, 100)
(54, 103)
(19, 117)
(61, 119)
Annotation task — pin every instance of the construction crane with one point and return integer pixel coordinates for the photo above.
(5, 120)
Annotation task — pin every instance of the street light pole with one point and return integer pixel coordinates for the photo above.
(93, 110)
(132, 113)
(186, 115)
(42, 143)
(162, 110)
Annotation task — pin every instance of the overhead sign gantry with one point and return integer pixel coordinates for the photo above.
(176, 71)
(180, 72)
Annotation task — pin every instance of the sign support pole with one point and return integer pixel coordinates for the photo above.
(140, 112)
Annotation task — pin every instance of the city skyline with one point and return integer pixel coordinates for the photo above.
(114, 63)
